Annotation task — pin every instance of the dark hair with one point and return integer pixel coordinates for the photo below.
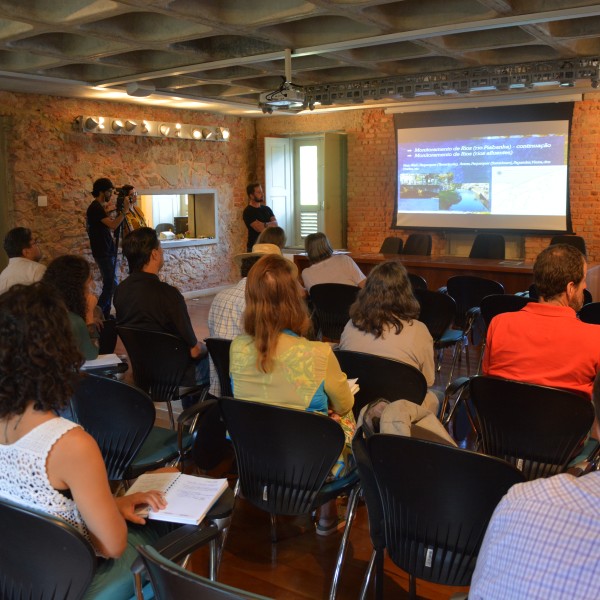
(125, 189)
(555, 267)
(272, 235)
(68, 275)
(273, 303)
(138, 246)
(101, 185)
(38, 355)
(251, 187)
(386, 300)
(17, 240)
(247, 264)
(317, 247)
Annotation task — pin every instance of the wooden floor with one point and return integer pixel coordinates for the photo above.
(300, 565)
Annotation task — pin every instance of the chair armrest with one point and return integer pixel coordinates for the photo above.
(454, 388)
(191, 415)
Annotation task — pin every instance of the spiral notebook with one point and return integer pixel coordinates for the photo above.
(188, 497)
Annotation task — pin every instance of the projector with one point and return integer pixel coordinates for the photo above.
(287, 96)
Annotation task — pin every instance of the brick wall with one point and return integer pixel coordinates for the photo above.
(372, 168)
(48, 157)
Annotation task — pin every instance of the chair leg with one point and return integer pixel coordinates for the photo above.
(367, 579)
(171, 417)
(379, 559)
(412, 587)
(273, 528)
(350, 513)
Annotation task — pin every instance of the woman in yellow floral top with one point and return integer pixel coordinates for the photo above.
(274, 364)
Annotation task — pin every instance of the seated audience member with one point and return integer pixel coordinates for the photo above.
(49, 463)
(70, 276)
(227, 307)
(274, 363)
(544, 342)
(383, 321)
(143, 301)
(24, 257)
(542, 541)
(327, 267)
(272, 235)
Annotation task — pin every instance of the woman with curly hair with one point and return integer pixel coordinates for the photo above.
(70, 276)
(46, 462)
(275, 364)
(383, 321)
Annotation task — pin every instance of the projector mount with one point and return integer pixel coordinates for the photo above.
(288, 96)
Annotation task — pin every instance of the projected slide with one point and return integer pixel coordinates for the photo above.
(508, 175)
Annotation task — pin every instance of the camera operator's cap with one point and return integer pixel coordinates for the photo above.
(261, 250)
(102, 185)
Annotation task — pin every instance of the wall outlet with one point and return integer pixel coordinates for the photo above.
(42, 200)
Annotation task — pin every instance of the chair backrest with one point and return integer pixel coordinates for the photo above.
(41, 556)
(438, 311)
(169, 580)
(332, 303)
(590, 313)
(391, 245)
(380, 377)
(117, 415)
(534, 427)
(437, 502)
(573, 240)
(218, 348)
(468, 291)
(159, 361)
(418, 243)
(488, 245)
(283, 455)
(496, 304)
(108, 337)
(417, 282)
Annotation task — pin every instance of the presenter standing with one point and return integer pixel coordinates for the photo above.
(100, 227)
(257, 216)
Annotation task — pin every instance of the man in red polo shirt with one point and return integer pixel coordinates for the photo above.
(545, 343)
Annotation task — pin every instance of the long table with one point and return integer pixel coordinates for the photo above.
(514, 275)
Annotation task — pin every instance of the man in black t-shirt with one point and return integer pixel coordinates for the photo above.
(257, 216)
(100, 227)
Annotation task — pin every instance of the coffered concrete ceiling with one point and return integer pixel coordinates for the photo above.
(220, 55)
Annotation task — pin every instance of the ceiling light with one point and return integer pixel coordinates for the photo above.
(130, 126)
(164, 129)
(91, 123)
(208, 134)
(145, 127)
(139, 90)
(225, 133)
(117, 125)
(196, 133)
(100, 122)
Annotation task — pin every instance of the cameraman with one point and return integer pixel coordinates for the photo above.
(100, 227)
(134, 217)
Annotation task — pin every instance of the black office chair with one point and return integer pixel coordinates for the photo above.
(590, 313)
(380, 377)
(160, 361)
(418, 243)
(536, 428)
(284, 459)
(164, 227)
(331, 302)
(437, 501)
(391, 245)
(170, 581)
(488, 245)
(108, 337)
(573, 240)
(417, 282)
(121, 418)
(438, 312)
(218, 348)
(44, 557)
(468, 291)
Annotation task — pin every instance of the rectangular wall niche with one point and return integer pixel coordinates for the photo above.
(190, 215)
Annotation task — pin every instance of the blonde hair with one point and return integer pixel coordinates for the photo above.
(273, 303)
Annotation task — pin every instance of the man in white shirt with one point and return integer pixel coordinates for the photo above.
(24, 256)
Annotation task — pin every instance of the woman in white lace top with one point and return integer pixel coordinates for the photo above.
(47, 462)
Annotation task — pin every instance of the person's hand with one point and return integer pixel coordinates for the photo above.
(127, 505)
(333, 415)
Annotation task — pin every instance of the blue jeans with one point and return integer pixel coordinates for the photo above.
(108, 271)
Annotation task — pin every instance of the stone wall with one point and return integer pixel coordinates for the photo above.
(372, 169)
(46, 156)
